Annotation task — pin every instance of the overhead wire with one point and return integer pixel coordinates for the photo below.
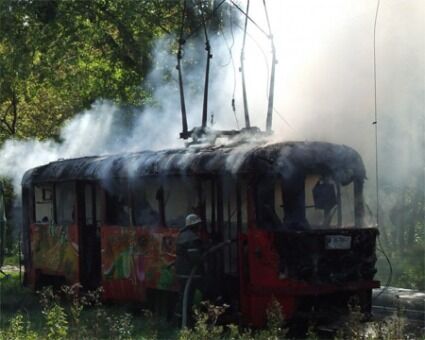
(230, 48)
(242, 70)
(249, 18)
(207, 69)
(202, 25)
(381, 249)
(205, 19)
(266, 63)
(269, 119)
(376, 113)
(231, 60)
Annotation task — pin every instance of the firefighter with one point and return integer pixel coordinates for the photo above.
(189, 249)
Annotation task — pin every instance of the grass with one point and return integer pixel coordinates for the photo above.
(66, 315)
(90, 319)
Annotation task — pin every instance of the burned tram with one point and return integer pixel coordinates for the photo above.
(293, 214)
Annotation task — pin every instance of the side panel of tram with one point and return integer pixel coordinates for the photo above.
(287, 243)
(121, 235)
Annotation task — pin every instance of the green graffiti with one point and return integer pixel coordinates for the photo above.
(166, 278)
(121, 268)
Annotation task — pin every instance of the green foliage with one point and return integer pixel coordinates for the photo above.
(150, 326)
(56, 322)
(275, 321)
(353, 328)
(121, 327)
(206, 316)
(206, 327)
(66, 314)
(403, 235)
(18, 329)
(390, 329)
(58, 57)
(63, 310)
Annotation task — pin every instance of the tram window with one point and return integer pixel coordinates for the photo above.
(230, 212)
(206, 204)
(314, 216)
(294, 202)
(244, 206)
(117, 204)
(336, 206)
(347, 205)
(88, 200)
(43, 203)
(269, 203)
(99, 214)
(180, 199)
(65, 203)
(145, 203)
(88, 193)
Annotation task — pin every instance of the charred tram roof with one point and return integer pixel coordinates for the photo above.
(340, 161)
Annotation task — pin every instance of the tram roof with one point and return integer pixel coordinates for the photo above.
(285, 158)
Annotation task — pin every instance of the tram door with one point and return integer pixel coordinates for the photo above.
(90, 261)
(223, 214)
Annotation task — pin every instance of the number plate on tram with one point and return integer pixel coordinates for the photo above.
(339, 242)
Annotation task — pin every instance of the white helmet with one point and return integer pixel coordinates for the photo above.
(192, 219)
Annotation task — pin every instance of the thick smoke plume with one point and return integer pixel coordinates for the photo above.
(324, 89)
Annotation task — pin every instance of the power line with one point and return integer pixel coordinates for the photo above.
(205, 19)
(376, 114)
(249, 18)
(381, 249)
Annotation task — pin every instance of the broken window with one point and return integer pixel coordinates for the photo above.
(294, 202)
(207, 204)
(180, 200)
(92, 203)
(347, 205)
(328, 203)
(314, 215)
(117, 203)
(146, 205)
(269, 203)
(65, 203)
(43, 195)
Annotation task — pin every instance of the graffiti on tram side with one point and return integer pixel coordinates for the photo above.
(139, 256)
(54, 250)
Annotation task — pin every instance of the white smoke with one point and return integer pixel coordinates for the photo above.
(103, 129)
(324, 88)
(325, 83)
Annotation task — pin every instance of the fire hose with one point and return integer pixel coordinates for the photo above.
(192, 273)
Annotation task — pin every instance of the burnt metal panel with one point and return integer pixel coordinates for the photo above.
(341, 161)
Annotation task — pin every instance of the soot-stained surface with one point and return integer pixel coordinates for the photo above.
(340, 161)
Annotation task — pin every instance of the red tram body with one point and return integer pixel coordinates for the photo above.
(293, 213)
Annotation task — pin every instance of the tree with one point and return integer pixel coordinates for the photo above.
(58, 57)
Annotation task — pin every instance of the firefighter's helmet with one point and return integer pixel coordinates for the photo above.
(192, 220)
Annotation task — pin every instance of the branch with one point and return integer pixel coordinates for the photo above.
(10, 128)
(7, 128)
(129, 50)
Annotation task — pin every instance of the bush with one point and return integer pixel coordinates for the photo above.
(18, 330)
(207, 315)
